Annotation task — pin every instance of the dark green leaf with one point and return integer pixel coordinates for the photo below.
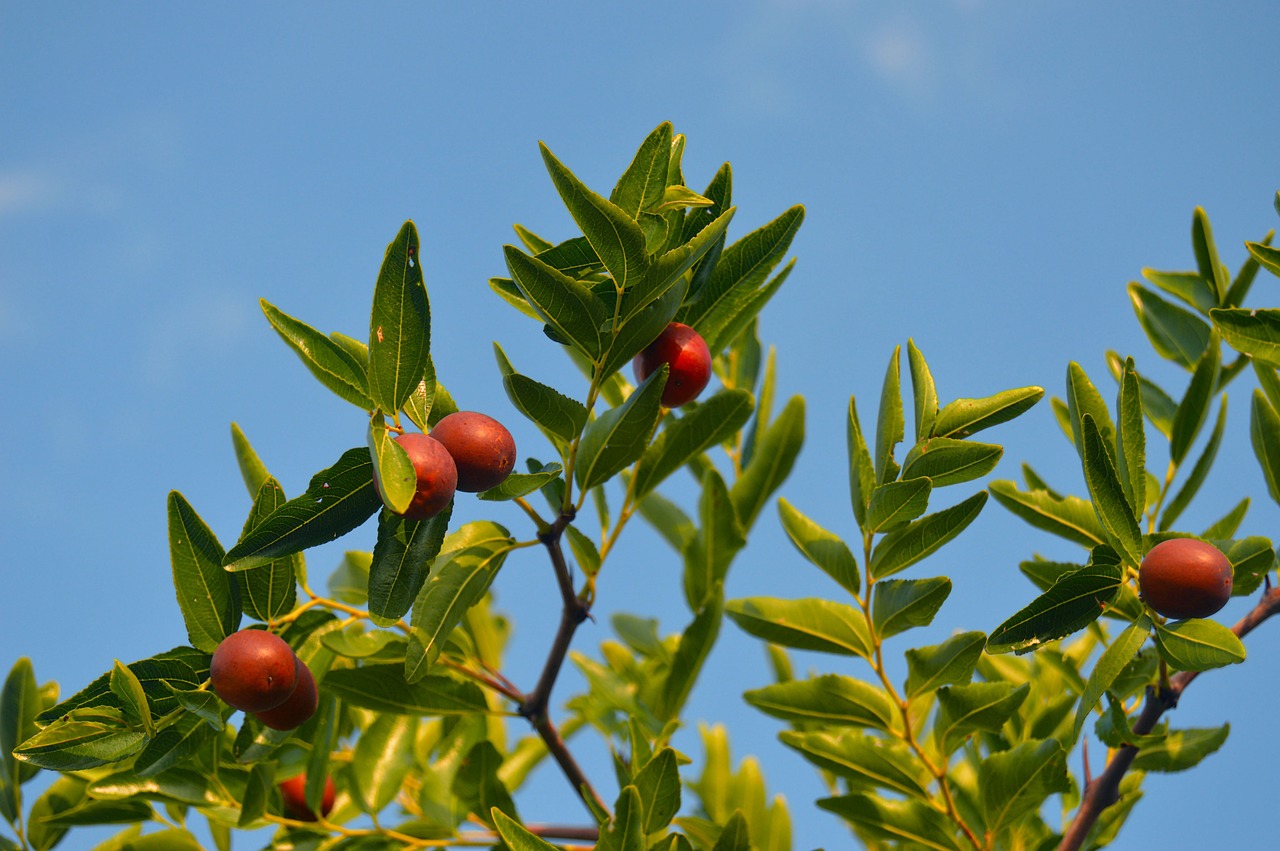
(713, 546)
(83, 738)
(560, 417)
(625, 831)
(268, 591)
(862, 474)
(1109, 666)
(1109, 502)
(566, 305)
(1075, 601)
(162, 676)
(1181, 749)
(127, 688)
(908, 824)
(383, 688)
(421, 406)
(207, 596)
(1194, 407)
(335, 367)
(890, 424)
(180, 785)
(821, 547)
(1226, 525)
(643, 184)
(399, 324)
(866, 761)
(946, 461)
(902, 604)
(830, 700)
(1210, 267)
(924, 393)
(950, 663)
(920, 538)
(257, 792)
(1252, 559)
(1131, 441)
(668, 269)
(695, 644)
(616, 438)
(1176, 334)
(642, 328)
(19, 706)
(685, 437)
(977, 706)
(1017, 781)
(1198, 645)
(658, 784)
(173, 744)
(1191, 287)
(90, 812)
(805, 624)
(517, 485)
(516, 836)
(1083, 398)
(1067, 517)
(964, 417)
(771, 462)
(1264, 432)
(401, 560)
(895, 504)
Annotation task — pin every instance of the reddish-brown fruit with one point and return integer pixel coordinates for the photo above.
(684, 350)
(436, 473)
(1185, 578)
(253, 670)
(298, 707)
(482, 449)
(293, 793)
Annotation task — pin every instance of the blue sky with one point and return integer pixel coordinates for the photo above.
(983, 177)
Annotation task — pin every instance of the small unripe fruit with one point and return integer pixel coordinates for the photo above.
(437, 475)
(293, 794)
(1185, 578)
(298, 707)
(253, 670)
(684, 350)
(482, 449)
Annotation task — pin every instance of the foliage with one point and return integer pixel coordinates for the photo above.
(968, 751)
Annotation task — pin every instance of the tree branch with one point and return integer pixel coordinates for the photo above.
(1105, 789)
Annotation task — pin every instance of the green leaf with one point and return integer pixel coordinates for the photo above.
(616, 237)
(866, 761)
(382, 688)
(1211, 268)
(964, 417)
(1067, 517)
(1226, 525)
(906, 824)
(1181, 749)
(517, 485)
(947, 461)
(207, 596)
(401, 560)
(1108, 667)
(399, 324)
(1252, 559)
(1198, 472)
(354, 643)
(349, 582)
(695, 644)
(1072, 603)
(257, 792)
(19, 706)
(1191, 287)
(902, 604)
(1131, 441)
(1176, 334)
(335, 367)
(64, 793)
(1113, 509)
(658, 785)
(862, 474)
(1016, 782)
(1265, 255)
(642, 327)
(890, 424)
(251, 466)
(713, 546)
(566, 305)
(920, 538)
(174, 744)
(616, 438)
(830, 700)
(1264, 432)
(805, 624)
(771, 462)
(950, 663)
(392, 469)
(1083, 399)
(1194, 407)
(560, 418)
(643, 184)
(515, 835)
(625, 831)
(382, 758)
(338, 499)
(895, 504)
(269, 591)
(1198, 644)
(133, 700)
(970, 708)
(821, 547)
(162, 676)
(91, 812)
(924, 393)
(421, 406)
(84, 738)
(668, 269)
(685, 437)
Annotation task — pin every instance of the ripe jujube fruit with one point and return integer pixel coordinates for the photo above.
(482, 449)
(1185, 578)
(293, 794)
(297, 707)
(436, 474)
(253, 670)
(689, 359)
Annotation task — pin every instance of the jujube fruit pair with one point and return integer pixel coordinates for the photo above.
(293, 794)
(688, 358)
(257, 672)
(466, 451)
(1185, 578)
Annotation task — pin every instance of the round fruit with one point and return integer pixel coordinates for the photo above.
(293, 793)
(482, 448)
(436, 473)
(298, 707)
(684, 350)
(1185, 578)
(253, 670)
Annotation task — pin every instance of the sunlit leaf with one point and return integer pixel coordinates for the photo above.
(805, 624)
(1198, 644)
(207, 595)
(1072, 603)
(399, 325)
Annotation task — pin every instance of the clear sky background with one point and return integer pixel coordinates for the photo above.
(983, 177)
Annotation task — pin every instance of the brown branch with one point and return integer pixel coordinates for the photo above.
(1105, 789)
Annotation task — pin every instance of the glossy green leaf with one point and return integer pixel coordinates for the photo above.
(172, 745)
(1194, 407)
(63, 793)
(687, 436)
(950, 663)
(1176, 334)
(1108, 668)
(1181, 749)
(923, 392)
(617, 239)
(84, 738)
(354, 642)
(1207, 261)
(714, 544)
(1266, 255)
(19, 706)
(517, 485)
(695, 644)
(921, 538)
(820, 547)
(1198, 472)
(401, 560)
(268, 591)
(1252, 559)
(1067, 517)
(324, 740)
(335, 367)
(382, 688)
(658, 785)
(338, 499)
(1226, 526)
(127, 688)
(561, 418)
(1264, 433)
(909, 823)
(566, 305)
(644, 183)
(642, 328)
(964, 417)
(866, 761)
(392, 469)
(515, 834)
(862, 474)
(804, 624)
(1083, 398)
(1016, 782)
(477, 785)
(162, 676)
(257, 792)
(975, 707)
(947, 461)
(1131, 441)
(830, 700)
(1072, 603)
(180, 785)
(668, 269)
(382, 758)
(625, 830)
(251, 466)
(616, 438)
(1156, 403)
(1109, 501)
(1198, 644)
(771, 463)
(890, 423)
(207, 596)
(1191, 287)
(895, 504)
(421, 406)
(399, 324)
(902, 604)
(91, 812)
